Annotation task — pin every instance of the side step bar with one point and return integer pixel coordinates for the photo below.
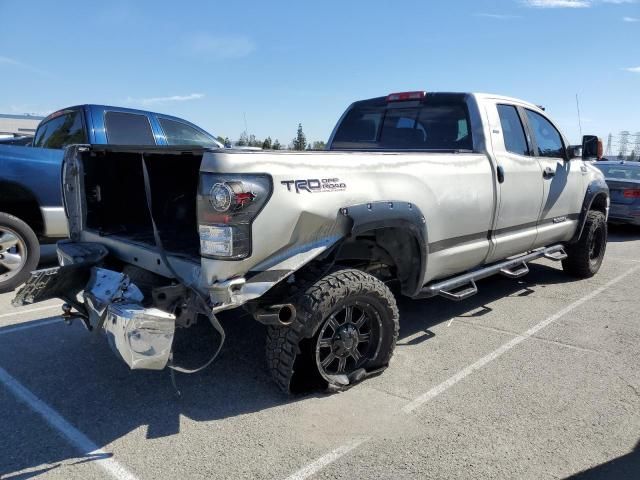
(464, 286)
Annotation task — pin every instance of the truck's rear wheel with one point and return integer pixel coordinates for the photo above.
(586, 255)
(346, 326)
(19, 252)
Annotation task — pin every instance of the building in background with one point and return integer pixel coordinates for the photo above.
(13, 125)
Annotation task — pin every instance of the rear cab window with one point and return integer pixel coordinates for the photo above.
(65, 128)
(125, 128)
(431, 124)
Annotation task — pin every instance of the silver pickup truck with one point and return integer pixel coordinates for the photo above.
(420, 193)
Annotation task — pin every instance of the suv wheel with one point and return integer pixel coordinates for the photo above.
(19, 252)
(585, 257)
(346, 328)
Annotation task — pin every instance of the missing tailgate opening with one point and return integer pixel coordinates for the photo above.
(116, 203)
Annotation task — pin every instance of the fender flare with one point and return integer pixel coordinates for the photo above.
(393, 214)
(595, 189)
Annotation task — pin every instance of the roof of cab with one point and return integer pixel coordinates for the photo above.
(113, 108)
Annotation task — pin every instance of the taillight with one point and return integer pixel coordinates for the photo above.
(227, 207)
(632, 193)
(404, 96)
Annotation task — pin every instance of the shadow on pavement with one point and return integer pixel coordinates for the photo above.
(76, 373)
(621, 468)
(623, 233)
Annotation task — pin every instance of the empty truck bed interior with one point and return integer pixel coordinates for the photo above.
(116, 201)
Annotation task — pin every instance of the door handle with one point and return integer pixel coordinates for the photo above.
(549, 172)
(500, 172)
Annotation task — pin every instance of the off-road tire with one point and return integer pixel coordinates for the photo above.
(581, 261)
(29, 240)
(289, 349)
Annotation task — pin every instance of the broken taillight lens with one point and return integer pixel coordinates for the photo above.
(227, 206)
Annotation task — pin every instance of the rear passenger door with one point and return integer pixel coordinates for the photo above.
(562, 180)
(519, 183)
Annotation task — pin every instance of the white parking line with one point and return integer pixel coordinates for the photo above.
(462, 374)
(465, 372)
(327, 459)
(72, 434)
(31, 310)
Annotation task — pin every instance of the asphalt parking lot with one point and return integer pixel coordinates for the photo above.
(531, 378)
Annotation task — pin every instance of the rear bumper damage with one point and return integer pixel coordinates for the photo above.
(105, 300)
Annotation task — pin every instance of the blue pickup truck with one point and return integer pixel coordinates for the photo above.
(31, 208)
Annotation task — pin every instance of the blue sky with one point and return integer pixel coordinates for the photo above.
(279, 63)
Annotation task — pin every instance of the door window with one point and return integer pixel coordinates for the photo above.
(179, 133)
(515, 140)
(63, 130)
(547, 138)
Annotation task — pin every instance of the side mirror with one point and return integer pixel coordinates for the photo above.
(574, 151)
(592, 148)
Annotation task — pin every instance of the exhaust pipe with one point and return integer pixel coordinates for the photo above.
(276, 315)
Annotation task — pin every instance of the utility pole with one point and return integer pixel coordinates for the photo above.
(624, 144)
(636, 145)
(608, 151)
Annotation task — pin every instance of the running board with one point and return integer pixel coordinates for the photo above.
(516, 271)
(464, 286)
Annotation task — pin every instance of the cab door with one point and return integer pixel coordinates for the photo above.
(562, 181)
(519, 183)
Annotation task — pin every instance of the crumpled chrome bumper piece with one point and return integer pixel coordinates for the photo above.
(141, 336)
(235, 292)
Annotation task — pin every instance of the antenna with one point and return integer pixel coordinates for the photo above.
(579, 119)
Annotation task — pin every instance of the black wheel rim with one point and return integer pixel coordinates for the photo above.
(597, 244)
(348, 339)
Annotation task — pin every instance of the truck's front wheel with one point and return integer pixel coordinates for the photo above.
(346, 326)
(19, 252)
(586, 255)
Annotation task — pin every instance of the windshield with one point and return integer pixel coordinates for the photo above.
(429, 126)
(621, 172)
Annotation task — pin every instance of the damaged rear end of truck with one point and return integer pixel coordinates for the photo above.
(132, 264)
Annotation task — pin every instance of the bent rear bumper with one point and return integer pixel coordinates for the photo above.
(142, 337)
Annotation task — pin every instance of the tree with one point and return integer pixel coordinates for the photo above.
(319, 145)
(276, 145)
(243, 141)
(253, 141)
(300, 142)
(632, 157)
(220, 139)
(266, 145)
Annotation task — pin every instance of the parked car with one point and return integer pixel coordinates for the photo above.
(623, 179)
(430, 191)
(31, 208)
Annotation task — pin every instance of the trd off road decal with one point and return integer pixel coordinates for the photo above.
(315, 185)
